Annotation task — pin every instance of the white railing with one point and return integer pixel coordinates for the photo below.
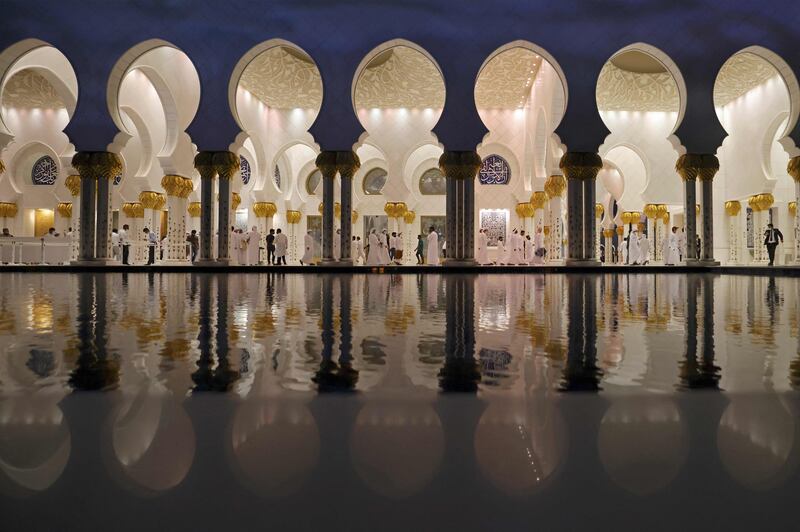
(35, 250)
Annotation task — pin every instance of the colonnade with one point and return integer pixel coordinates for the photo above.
(90, 220)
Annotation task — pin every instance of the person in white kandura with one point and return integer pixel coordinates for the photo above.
(308, 246)
(482, 255)
(384, 238)
(233, 246)
(375, 249)
(253, 244)
(633, 247)
(501, 251)
(514, 251)
(671, 250)
(538, 247)
(337, 245)
(529, 249)
(281, 246)
(241, 249)
(398, 249)
(432, 252)
(360, 251)
(644, 249)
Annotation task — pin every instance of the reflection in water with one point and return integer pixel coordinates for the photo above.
(464, 393)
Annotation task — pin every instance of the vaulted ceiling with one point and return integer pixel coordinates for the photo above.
(740, 74)
(400, 77)
(505, 82)
(642, 86)
(284, 78)
(28, 89)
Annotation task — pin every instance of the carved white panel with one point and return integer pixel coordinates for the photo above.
(621, 90)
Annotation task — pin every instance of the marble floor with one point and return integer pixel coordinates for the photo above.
(199, 401)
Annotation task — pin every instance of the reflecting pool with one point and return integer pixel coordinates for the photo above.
(390, 402)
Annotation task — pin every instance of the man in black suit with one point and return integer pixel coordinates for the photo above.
(271, 246)
(772, 237)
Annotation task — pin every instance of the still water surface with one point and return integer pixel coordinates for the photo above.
(367, 402)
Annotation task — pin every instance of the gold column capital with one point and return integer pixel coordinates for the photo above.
(692, 166)
(133, 209)
(554, 186)
(194, 209)
(538, 200)
(293, 217)
(598, 210)
(150, 199)
(793, 168)
(226, 163)
(73, 183)
(347, 163)
(264, 209)
(651, 210)
(204, 164)
(732, 208)
(64, 209)
(409, 217)
(236, 200)
(326, 164)
(176, 185)
(460, 164)
(97, 164)
(792, 208)
(8, 209)
(580, 165)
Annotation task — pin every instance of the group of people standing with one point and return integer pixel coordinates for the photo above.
(520, 249)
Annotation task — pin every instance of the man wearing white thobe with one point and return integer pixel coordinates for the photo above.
(432, 253)
(633, 247)
(384, 237)
(538, 247)
(398, 249)
(281, 246)
(253, 244)
(374, 253)
(528, 249)
(644, 249)
(672, 254)
(308, 246)
(483, 256)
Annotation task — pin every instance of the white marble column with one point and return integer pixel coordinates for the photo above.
(732, 209)
(794, 171)
(554, 189)
(178, 189)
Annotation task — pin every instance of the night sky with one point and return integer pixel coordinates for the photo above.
(698, 35)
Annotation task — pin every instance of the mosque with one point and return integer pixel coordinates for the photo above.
(528, 167)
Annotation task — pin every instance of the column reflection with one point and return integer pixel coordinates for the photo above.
(699, 373)
(580, 371)
(460, 371)
(97, 368)
(209, 376)
(334, 375)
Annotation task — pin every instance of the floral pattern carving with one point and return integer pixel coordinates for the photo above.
(400, 77)
(622, 90)
(284, 78)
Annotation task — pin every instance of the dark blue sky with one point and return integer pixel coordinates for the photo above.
(699, 35)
